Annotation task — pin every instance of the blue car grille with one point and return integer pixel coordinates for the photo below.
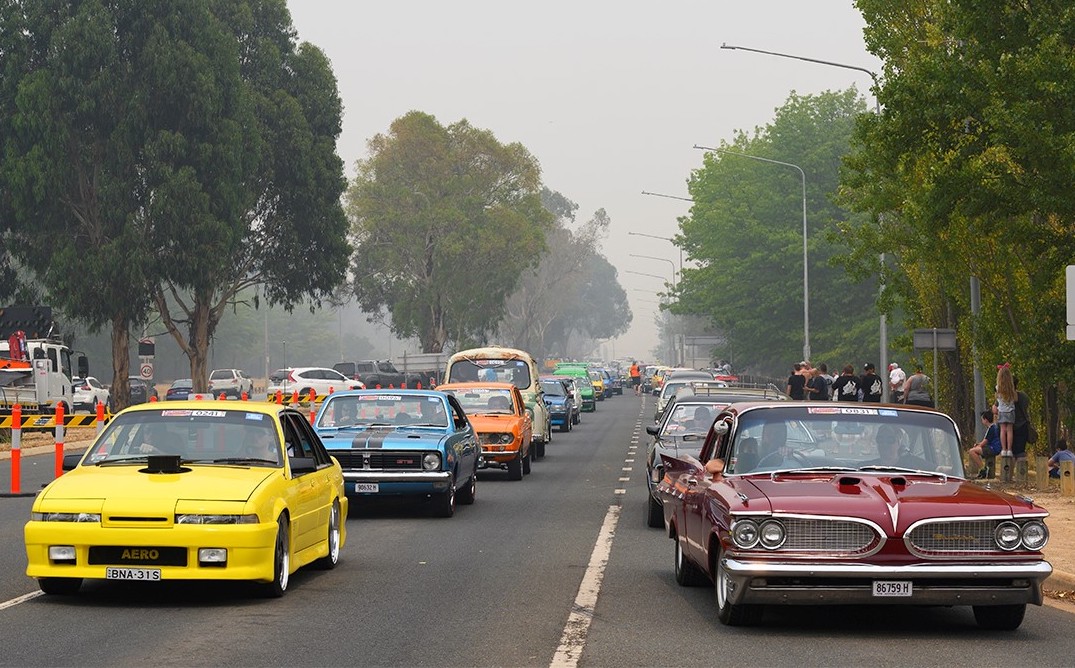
(381, 460)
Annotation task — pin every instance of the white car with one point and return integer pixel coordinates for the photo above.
(321, 380)
(87, 392)
(230, 383)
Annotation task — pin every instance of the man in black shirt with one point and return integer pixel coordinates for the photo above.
(846, 386)
(796, 383)
(871, 384)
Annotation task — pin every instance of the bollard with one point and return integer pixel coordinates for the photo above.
(222, 397)
(312, 397)
(313, 414)
(377, 386)
(100, 417)
(16, 449)
(331, 389)
(59, 441)
(1020, 471)
(1067, 478)
(294, 396)
(279, 397)
(403, 385)
(418, 386)
(152, 399)
(246, 397)
(1005, 464)
(1041, 473)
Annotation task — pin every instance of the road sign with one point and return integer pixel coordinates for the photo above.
(935, 339)
(146, 370)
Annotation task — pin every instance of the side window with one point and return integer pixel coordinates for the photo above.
(459, 418)
(53, 364)
(296, 442)
(310, 443)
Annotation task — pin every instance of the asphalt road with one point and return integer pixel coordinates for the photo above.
(493, 586)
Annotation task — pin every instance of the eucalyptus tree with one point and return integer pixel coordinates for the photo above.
(445, 219)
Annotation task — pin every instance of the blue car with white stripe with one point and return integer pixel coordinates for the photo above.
(402, 443)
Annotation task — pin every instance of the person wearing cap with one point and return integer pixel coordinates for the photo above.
(871, 384)
(896, 378)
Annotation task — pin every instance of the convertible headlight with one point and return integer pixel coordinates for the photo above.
(772, 534)
(1007, 535)
(745, 534)
(1034, 535)
(191, 518)
(66, 517)
(431, 462)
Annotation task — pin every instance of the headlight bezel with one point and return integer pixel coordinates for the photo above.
(61, 516)
(1008, 536)
(1034, 525)
(431, 461)
(745, 534)
(214, 519)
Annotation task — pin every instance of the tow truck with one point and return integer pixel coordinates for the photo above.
(35, 369)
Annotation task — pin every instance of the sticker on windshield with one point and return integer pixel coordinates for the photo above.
(838, 410)
(381, 397)
(212, 414)
(888, 412)
(175, 413)
(490, 362)
(257, 417)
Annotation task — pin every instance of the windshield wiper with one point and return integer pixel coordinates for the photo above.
(244, 460)
(902, 469)
(132, 459)
(424, 424)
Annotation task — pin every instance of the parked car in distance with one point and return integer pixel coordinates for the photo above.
(377, 372)
(776, 511)
(303, 379)
(230, 383)
(87, 392)
(393, 443)
(179, 390)
(504, 427)
(141, 390)
(192, 490)
(560, 398)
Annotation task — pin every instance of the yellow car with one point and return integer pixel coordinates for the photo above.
(191, 490)
(598, 380)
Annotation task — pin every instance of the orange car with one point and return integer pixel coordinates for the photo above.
(502, 422)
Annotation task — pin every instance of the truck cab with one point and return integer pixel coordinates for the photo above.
(38, 374)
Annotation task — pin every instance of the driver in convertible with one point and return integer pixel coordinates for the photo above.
(888, 447)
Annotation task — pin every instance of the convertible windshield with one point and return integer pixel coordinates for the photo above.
(846, 437)
(383, 409)
(194, 435)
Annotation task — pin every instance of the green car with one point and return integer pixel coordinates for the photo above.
(586, 389)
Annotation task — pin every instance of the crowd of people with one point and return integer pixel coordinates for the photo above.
(808, 382)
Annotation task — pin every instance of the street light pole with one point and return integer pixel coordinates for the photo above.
(662, 259)
(877, 110)
(806, 268)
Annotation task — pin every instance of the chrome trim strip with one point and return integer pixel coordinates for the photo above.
(396, 476)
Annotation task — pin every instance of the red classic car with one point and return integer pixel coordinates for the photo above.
(811, 503)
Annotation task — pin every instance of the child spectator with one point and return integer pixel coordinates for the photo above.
(1006, 397)
(1062, 455)
(989, 446)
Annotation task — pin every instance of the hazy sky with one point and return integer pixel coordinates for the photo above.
(609, 96)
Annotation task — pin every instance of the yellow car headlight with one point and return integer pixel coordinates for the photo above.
(66, 517)
(192, 518)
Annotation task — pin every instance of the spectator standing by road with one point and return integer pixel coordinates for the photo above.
(871, 384)
(1021, 432)
(896, 378)
(1006, 398)
(846, 387)
(916, 389)
(796, 388)
(816, 390)
(989, 446)
(1062, 454)
(636, 377)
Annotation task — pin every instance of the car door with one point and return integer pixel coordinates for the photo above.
(305, 490)
(520, 410)
(326, 485)
(464, 442)
(698, 482)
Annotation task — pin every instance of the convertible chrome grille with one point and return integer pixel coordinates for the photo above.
(380, 460)
(833, 537)
(947, 539)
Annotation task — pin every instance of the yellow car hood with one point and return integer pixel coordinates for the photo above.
(200, 483)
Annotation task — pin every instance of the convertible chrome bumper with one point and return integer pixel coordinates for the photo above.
(752, 582)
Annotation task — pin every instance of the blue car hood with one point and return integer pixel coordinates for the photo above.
(390, 437)
(554, 400)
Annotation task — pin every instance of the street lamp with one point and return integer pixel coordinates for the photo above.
(685, 199)
(877, 110)
(639, 273)
(662, 259)
(806, 271)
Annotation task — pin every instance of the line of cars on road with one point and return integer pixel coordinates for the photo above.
(777, 502)
(252, 491)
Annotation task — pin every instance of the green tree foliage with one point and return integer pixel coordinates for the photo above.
(973, 161)
(551, 296)
(168, 155)
(445, 220)
(744, 233)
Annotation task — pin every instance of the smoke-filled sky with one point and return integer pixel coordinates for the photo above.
(610, 96)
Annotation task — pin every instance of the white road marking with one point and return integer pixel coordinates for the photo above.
(578, 622)
(626, 468)
(625, 480)
(628, 461)
(20, 599)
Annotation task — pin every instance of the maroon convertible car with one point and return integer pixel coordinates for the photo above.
(813, 503)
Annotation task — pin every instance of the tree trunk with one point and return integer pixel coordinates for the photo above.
(198, 352)
(120, 390)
